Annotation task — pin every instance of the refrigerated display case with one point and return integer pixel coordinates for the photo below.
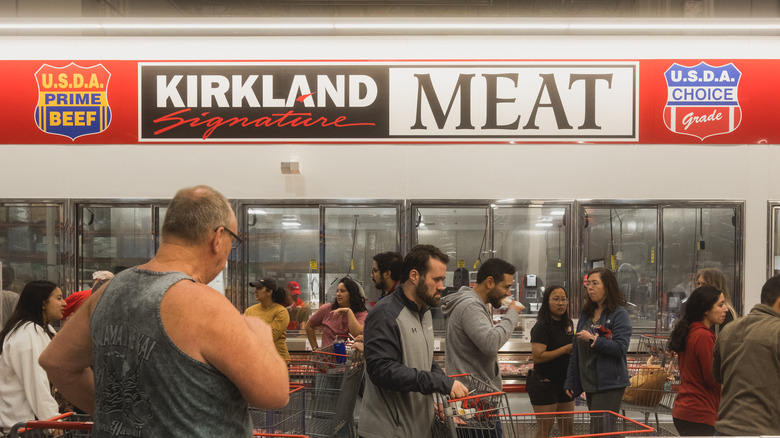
(535, 236)
(655, 250)
(315, 243)
(773, 240)
(113, 236)
(33, 245)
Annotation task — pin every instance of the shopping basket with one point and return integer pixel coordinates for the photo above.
(484, 413)
(332, 382)
(578, 424)
(287, 420)
(68, 424)
(654, 377)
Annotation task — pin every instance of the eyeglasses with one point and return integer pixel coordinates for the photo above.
(235, 241)
(560, 300)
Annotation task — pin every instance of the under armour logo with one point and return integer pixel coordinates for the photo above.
(414, 329)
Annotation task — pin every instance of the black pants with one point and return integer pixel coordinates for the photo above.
(689, 428)
(608, 400)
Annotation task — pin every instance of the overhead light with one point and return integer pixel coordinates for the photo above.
(361, 25)
(544, 224)
(258, 212)
(558, 212)
(291, 225)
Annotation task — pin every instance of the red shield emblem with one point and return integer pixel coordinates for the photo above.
(72, 100)
(702, 100)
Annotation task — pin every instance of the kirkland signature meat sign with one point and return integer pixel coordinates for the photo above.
(549, 101)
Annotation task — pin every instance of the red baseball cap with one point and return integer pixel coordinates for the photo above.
(294, 287)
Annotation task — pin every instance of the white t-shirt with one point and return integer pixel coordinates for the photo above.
(24, 386)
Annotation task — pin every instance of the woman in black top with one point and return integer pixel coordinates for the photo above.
(551, 344)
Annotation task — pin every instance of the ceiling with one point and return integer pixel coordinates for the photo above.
(392, 8)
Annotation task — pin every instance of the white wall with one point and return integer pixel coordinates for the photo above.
(618, 171)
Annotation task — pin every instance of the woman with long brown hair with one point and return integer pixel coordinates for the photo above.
(598, 360)
(24, 387)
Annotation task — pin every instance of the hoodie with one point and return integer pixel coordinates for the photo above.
(698, 396)
(472, 339)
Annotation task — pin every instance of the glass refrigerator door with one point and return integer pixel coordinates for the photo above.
(535, 240)
(30, 244)
(696, 238)
(283, 243)
(353, 236)
(773, 267)
(460, 232)
(624, 240)
(113, 238)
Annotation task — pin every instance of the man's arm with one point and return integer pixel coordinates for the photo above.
(206, 326)
(487, 337)
(68, 358)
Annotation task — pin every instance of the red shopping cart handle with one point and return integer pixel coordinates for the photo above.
(474, 396)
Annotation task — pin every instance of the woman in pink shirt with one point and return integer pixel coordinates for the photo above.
(343, 317)
(698, 399)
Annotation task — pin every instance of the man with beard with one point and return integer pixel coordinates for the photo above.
(386, 272)
(473, 340)
(398, 400)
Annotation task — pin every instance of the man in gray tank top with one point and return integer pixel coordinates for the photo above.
(157, 352)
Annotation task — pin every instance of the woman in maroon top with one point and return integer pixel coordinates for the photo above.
(696, 406)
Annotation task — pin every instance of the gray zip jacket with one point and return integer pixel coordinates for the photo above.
(402, 375)
(472, 339)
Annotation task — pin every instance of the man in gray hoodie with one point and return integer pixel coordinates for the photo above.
(472, 339)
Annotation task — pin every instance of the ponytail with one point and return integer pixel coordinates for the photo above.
(679, 335)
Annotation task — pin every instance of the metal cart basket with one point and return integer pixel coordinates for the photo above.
(484, 413)
(332, 381)
(287, 420)
(581, 423)
(655, 378)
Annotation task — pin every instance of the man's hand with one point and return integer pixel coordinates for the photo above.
(517, 306)
(458, 390)
(358, 344)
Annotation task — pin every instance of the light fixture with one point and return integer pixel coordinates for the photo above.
(557, 212)
(258, 212)
(405, 26)
(290, 225)
(544, 224)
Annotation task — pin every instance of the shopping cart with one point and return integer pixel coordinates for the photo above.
(655, 378)
(297, 367)
(67, 424)
(287, 420)
(332, 382)
(579, 424)
(484, 413)
(279, 435)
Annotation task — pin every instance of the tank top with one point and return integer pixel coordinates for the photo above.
(145, 386)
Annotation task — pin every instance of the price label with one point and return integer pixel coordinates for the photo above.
(313, 264)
